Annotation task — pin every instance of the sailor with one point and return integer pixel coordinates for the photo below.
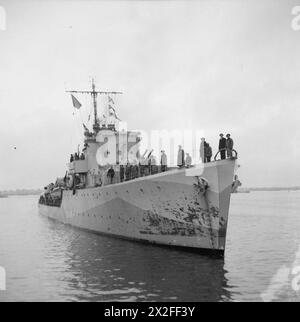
(202, 150)
(142, 167)
(208, 153)
(163, 161)
(71, 158)
(86, 145)
(229, 145)
(98, 178)
(77, 179)
(188, 160)
(149, 164)
(180, 157)
(111, 174)
(127, 172)
(122, 172)
(76, 156)
(142, 164)
(135, 171)
(153, 168)
(82, 156)
(65, 178)
(222, 146)
(130, 171)
(50, 187)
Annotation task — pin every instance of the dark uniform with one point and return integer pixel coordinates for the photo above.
(111, 174)
(122, 173)
(229, 146)
(208, 153)
(222, 148)
(180, 158)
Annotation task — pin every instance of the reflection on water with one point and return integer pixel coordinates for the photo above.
(48, 261)
(102, 269)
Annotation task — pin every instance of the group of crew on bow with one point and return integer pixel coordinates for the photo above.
(225, 149)
(147, 165)
(77, 156)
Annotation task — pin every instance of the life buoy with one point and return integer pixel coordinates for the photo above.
(70, 181)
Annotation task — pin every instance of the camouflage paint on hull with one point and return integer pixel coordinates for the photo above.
(168, 208)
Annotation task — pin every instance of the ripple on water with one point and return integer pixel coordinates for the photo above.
(48, 261)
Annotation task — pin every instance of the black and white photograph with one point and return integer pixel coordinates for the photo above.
(149, 153)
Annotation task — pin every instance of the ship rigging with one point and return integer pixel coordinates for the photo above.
(94, 94)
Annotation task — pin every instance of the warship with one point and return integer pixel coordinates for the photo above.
(110, 188)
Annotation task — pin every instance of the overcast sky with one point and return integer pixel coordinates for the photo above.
(215, 66)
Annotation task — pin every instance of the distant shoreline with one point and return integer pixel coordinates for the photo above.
(20, 192)
(270, 189)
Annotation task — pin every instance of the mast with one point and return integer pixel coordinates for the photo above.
(94, 95)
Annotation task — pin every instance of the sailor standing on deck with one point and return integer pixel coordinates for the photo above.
(229, 146)
(111, 174)
(202, 150)
(163, 161)
(188, 160)
(152, 164)
(128, 169)
(180, 157)
(122, 172)
(222, 146)
(208, 153)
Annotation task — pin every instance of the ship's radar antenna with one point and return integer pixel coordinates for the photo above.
(94, 95)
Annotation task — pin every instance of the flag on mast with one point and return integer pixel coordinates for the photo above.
(110, 100)
(75, 102)
(85, 127)
(112, 112)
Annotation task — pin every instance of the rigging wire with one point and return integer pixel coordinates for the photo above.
(73, 130)
(91, 110)
(79, 127)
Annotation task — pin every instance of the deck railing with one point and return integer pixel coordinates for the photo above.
(234, 154)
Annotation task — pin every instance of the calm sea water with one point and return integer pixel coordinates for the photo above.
(48, 261)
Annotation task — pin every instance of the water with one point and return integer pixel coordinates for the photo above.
(48, 261)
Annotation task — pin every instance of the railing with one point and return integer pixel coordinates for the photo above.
(235, 156)
(49, 200)
(137, 171)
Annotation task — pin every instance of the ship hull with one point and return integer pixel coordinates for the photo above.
(170, 208)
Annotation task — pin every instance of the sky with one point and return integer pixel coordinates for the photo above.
(214, 66)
